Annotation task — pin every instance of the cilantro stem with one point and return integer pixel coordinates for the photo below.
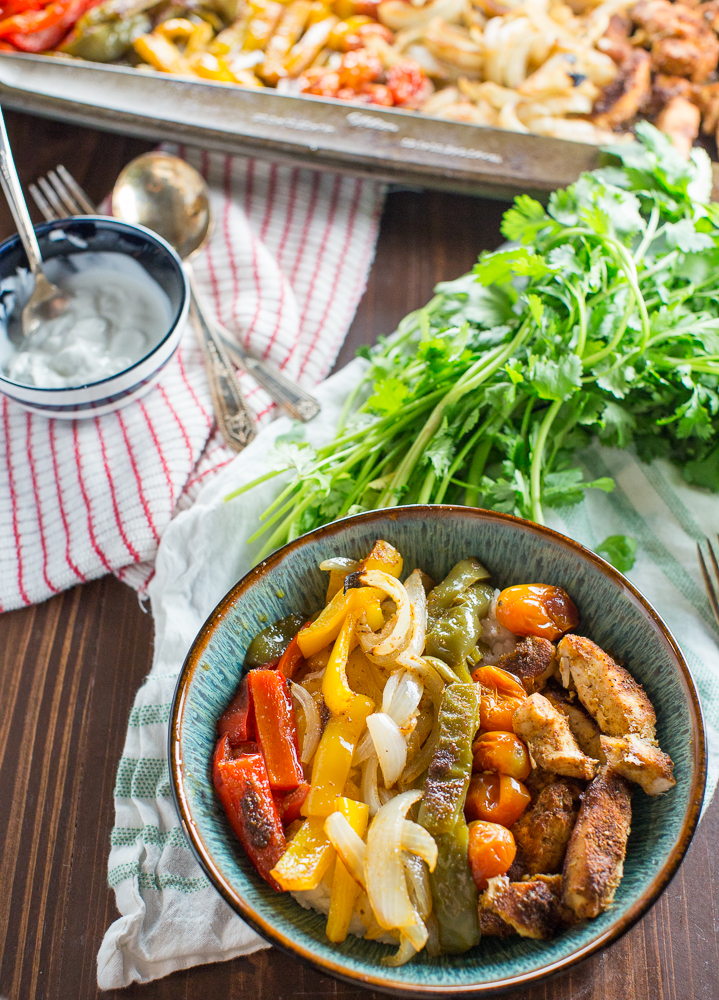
(535, 473)
(476, 470)
(427, 486)
(649, 235)
(255, 482)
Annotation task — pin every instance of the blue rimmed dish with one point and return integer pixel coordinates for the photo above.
(613, 613)
(95, 233)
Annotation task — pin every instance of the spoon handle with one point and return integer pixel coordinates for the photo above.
(299, 403)
(16, 200)
(234, 417)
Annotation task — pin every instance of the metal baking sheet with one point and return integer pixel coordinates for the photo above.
(394, 145)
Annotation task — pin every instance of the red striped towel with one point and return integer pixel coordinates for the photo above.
(285, 269)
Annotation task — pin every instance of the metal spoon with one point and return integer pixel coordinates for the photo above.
(47, 300)
(156, 191)
(168, 195)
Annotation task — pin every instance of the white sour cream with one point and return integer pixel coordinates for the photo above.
(117, 313)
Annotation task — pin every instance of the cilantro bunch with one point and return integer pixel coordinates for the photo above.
(601, 321)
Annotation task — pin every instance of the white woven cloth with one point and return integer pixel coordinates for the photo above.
(172, 918)
(285, 269)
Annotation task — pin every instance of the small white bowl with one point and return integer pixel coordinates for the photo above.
(101, 233)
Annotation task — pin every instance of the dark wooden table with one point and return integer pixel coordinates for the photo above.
(69, 669)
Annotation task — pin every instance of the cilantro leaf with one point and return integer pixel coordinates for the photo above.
(620, 551)
(524, 220)
(684, 236)
(557, 379)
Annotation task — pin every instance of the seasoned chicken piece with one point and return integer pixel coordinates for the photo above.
(490, 923)
(679, 119)
(533, 662)
(532, 908)
(708, 98)
(547, 734)
(608, 692)
(682, 42)
(710, 13)
(543, 830)
(621, 100)
(594, 863)
(584, 728)
(640, 761)
(615, 40)
(663, 89)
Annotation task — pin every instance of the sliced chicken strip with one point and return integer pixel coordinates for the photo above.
(551, 744)
(543, 830)
(584, 728)
(639, 761)
(533, 662)
(531, 908)
(680, 119)
(594, 863)
(608, 692)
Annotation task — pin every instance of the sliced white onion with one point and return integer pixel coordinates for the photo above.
(386, 881)
(446, 673)
(349, 845)
(389, 745)
(339, 562)
(313, 727)
(417, 840)
(316, 676)
(370, 791)
(405, 698)
(418, 603)
(416, 932)
(385, 794)
(405, 953)
(420, 891)
(389, 690)
(363, 750)
(384, 647)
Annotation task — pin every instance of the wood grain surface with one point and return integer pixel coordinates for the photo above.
(69, 669)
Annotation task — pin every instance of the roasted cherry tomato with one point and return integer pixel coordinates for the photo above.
(496, 798)
(358, 67)
(502, 752)
(502, 694)
(491, 851)
(408, 83)
(537, 609)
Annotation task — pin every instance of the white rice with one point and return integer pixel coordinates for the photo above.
(319, 899)
(499, 639)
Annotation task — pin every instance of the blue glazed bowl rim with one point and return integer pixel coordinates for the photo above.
(337, 969)
(108, 222)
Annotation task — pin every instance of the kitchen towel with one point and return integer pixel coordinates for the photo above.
(171, 917)
(284, 270)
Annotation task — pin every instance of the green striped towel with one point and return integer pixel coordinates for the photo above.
(171, 917)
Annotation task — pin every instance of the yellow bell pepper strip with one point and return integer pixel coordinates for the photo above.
(175, 29)
(210, 67)
(307, 858)
(326, 628)
(202, 35)
(309, 46)
(230, 39)
(383, 556)
(289, 30)
(261, 27)
(318, 12)
(160, 53)
(345, 891)
(333, 757)
(336, 691)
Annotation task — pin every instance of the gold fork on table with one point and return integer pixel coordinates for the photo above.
(709, 583)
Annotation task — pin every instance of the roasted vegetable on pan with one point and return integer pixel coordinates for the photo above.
(363, 769)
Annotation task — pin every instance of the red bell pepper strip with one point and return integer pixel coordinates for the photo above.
(40, 30)
(10, 7)
(244, 790)
(289, 805)
(276, 728)
(238, 720)
(291, 660)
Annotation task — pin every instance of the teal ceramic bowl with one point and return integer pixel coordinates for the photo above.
(612, 612)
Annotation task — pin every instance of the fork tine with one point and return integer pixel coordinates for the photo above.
(63, 194)
(59, 209)
(40, 201)
(707, 579)
(77, 192)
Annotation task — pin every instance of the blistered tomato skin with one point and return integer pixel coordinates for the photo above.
(502, 752)
(502, 694)
(491, 851)
(496, 798)
(537, 609)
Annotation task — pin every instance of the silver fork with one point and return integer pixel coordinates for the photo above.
(711, 588)
(59, 196)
